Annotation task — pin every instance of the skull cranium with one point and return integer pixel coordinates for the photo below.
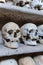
(29, 34)
(11, 34)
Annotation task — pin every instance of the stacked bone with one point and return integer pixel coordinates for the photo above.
(37, 60)
(29, 34)
(23, 3)
(26, 61)
(34, 4)
(31, 4)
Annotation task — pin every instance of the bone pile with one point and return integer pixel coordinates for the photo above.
(32, 34)
(29, 34)
(28, 60)
(31, 4)
(37, 60)
(23, 3)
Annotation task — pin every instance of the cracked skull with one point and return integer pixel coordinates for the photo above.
(29, 34)
(25, 3)
(11, 34)
(40, 33)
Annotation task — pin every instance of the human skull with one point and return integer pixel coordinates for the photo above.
(36, 4)
(26, 61)
(40, 33)
(11, 34)
(38, 60)
(22, 2)
(29, 34)
(2, 1)
(9, 62)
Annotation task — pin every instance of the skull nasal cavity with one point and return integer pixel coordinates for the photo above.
(10, 31)
(27, 37)
(15, 35)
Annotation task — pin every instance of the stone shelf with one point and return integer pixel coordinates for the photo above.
(23, 49)
(12, 7)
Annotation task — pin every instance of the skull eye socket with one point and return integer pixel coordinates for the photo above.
(30, 31)
(17, 31)
(10, 32)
